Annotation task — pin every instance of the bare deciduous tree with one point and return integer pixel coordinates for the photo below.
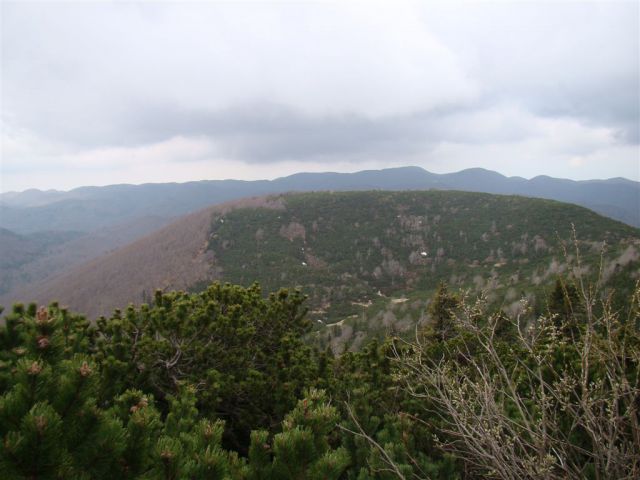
(542, 401)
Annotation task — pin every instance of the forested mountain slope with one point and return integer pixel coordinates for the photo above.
(370, 260)
(371, 256)
(101, 219)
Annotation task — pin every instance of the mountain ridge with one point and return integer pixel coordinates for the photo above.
(348, 244)
(189, 196)
(11, 195)
(100, 219)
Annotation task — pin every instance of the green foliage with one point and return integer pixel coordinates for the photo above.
(381, 424)
(50, 422)
(243, 353)
(442, 313)
(58, 421)
(565, 306)
(355, 253)
(302, 449)
(222, 384)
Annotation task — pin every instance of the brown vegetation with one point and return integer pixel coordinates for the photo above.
(174, 257)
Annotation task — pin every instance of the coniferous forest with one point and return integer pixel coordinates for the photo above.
(226, 384)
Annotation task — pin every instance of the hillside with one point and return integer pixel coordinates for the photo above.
(372, 258)
(17, 251)
(174, 257)
(106, 218)
(27, 262)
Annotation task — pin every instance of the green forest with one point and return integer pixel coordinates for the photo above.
(228, 383)
(370, 261)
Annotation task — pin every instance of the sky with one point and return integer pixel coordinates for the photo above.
(97, 93)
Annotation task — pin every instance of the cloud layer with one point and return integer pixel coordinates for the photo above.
(96, 93)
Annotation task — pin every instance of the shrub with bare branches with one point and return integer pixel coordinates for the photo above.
(535, 399)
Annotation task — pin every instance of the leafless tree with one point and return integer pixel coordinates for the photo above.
(538, 403)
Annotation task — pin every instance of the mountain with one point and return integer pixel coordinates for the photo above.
(364, 258)
(18, 251)
(88, 208)
(174, 257)
(101, 219)
(31, 197)
(32, 258)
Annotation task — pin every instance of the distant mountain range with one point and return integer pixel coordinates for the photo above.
(86, 209)
(47, 233)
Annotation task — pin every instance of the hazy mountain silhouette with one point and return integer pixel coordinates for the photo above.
(88, 208)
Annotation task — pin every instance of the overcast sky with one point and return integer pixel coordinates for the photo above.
(95, 93)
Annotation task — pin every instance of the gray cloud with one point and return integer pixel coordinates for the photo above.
(267, 132)
(575, 59)
(262, 132)
(442, 84)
